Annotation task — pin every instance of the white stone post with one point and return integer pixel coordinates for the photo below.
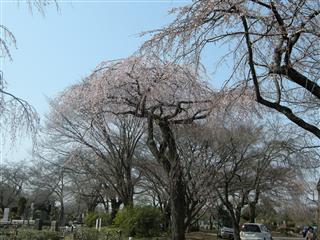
(99, 225)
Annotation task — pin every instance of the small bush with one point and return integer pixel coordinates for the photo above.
(139, 221)
(86, 234)
(105, 219)
(90, 219)
(28, 234)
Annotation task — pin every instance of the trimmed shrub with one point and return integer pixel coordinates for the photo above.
(139, 221)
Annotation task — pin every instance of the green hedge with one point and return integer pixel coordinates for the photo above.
(139, 221)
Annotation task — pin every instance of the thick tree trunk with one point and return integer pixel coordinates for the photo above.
(252, 212)
(167, 216)
(127, 203)
(92, 205)
(167, 156)
(177, 186)
(235, 215)
(61, 214)
(128, 188)
(115, 205)
(236, 230)
(211, 222)
(124, 183)
(178, 210)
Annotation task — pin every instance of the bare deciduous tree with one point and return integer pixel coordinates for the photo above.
(12, 182)
(52, 178)
(104, 144)
(247, 167)
(196, 158)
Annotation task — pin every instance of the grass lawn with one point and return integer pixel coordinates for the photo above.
(201, 236)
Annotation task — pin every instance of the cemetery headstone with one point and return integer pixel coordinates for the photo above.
(38, 224)
(31, 211)
(6, 215)
(54, 226)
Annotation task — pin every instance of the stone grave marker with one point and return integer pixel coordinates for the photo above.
(6, 215)
(54, 226)
(31, 211)
(38, 224)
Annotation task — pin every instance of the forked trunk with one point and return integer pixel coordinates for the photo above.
(167, 156)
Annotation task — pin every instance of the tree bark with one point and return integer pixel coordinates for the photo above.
(61, 214)
(115, 205)
(167, 155)
(167, 216)
(188, 222)
(236, 230)
(252, 212)
(92, 205)
(178, 210)
(128, 187)
(177, 186)
(235, 218)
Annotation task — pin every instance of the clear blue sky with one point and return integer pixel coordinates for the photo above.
(58, 49)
